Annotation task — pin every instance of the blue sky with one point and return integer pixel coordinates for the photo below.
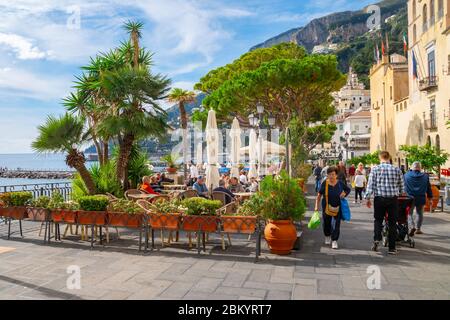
(42, 45)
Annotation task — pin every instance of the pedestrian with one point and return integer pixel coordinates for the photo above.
(417, 186)
(360, 185)
(331, 192)
(324, 171)
(317, 172)
(385, 184)
(351, 172)
(342, 173)
(361, 169)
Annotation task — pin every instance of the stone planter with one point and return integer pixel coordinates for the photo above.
(170, 221)
(98, 218)
(16, 213)
(120, 219)
(238, 224)
(200, 223)
(64, 216)
(38, 214)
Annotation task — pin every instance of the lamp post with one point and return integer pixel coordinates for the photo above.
(349, 144)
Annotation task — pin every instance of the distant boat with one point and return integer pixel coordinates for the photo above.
(91, 157)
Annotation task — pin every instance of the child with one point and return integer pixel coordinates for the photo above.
(360, 185)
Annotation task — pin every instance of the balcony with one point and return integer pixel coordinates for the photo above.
(431, 123)
(428, 83)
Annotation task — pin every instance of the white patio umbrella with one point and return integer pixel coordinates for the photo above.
(212, 151)
(199, 153)
(252, 152)
(269, 147)
(261, 156)
(235, 135)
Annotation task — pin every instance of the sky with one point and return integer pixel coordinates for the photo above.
(43, 44)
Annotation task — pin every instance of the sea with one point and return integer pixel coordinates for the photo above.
(33, 161)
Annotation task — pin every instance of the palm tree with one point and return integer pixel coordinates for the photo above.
(66, 134)
(182, 97)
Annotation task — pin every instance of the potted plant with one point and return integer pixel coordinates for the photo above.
(245, 219)
(166, 215)
(125, 213)
(171, 163)
(281, 202)
(15, 204)
(93, 210)
(201, 214)
(38, 209)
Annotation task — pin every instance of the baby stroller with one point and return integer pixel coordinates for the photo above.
(405, 205)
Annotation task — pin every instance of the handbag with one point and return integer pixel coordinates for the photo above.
(330, 210)
(346, 214)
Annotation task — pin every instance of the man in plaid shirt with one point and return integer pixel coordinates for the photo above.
(386, 184)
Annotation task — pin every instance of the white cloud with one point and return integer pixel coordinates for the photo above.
(22, 47)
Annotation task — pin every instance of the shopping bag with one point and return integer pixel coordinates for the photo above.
(314, 222)
(346, 214)
(353, 184)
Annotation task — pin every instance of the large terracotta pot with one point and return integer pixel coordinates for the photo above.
(200, 223)
(238, 224)
(170, 221)
(120, 219)
(38, 214)
(436, 195)
(92, 217)
(17, 213)
(66, 216)
(171, 170)
(280, 236)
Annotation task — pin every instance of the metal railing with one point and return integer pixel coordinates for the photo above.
(428, 83)
(42, 189)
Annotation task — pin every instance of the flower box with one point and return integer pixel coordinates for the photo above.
(170, 221)
(120, 219)
(92, 217)
(38, 214)
(17, 213)
(238, 224)
(64, 216)
(200, 223)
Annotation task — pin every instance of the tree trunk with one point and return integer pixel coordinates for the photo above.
(124, 158)
(105, 150)
(87, 178)
(98, 148)
(184, 122)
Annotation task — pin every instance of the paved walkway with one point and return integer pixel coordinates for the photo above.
(31, 270)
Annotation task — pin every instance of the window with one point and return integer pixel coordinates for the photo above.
(431, 65)
(378, 119)
(414, 12)
(341, 127)
(382, 101)
(356, 128)
(448, 66)
(406, 105)
(396, 107)
(414, 34)
(432, 20)
(433, 114)
(425, 17)
(390, 90)
(440, 9)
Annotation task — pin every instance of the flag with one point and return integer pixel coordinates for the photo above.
(387, 43)
(414, 65)
(405, 43)
(378, 53)
(383, 50)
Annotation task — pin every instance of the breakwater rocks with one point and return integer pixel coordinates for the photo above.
(27, 174)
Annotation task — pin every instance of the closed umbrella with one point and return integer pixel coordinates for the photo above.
(212, 151)
(252, 152)
(199, 154)
(236, 142)
(261, 156)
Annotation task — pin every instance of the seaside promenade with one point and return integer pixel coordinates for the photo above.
(31, 270)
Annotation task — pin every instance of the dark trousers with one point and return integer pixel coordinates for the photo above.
(358, 191)
(318, 184)
(381, 207)
(332, 225)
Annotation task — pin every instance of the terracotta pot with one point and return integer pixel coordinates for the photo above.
(62, 215)
(120, 219)
(238, 224)
(92, 217)
(171, 170)
(170, 221)
(280, 236)
(436, 195)
(200, 223)
(38, 214)
(17, 213)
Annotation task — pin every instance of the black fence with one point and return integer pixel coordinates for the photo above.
(42, 189)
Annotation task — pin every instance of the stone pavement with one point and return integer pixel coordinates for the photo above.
(31, 270)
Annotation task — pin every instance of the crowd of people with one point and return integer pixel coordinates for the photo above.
(154, 184)
(385, 183)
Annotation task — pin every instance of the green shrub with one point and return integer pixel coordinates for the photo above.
(94, 203)
(251, 207)
(168, 207)
(41, 202)
(16, 199)
(201, 206)
(125, 206)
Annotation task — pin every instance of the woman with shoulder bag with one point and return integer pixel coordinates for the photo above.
(331, 192)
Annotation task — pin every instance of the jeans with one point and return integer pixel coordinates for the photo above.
(419, 220)
(358, 191)
(318, 184)
(381, 207)
(332, 225)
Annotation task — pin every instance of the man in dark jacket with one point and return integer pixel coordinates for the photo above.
(317, 172)
(417, 185)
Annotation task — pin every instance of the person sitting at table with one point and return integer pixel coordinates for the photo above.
(155, 185)
(235, 186)
(230, 196)
(146, 186)
(200, 187)
(253, 185)
(163, 178)
(243, 178)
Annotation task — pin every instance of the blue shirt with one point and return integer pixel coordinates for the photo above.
(201, 188)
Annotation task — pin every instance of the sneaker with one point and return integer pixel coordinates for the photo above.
(375, 246)
(412, 232)
(355, 201)
(334, 245)
(327, 240)
(392, 251)
(419, 231)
